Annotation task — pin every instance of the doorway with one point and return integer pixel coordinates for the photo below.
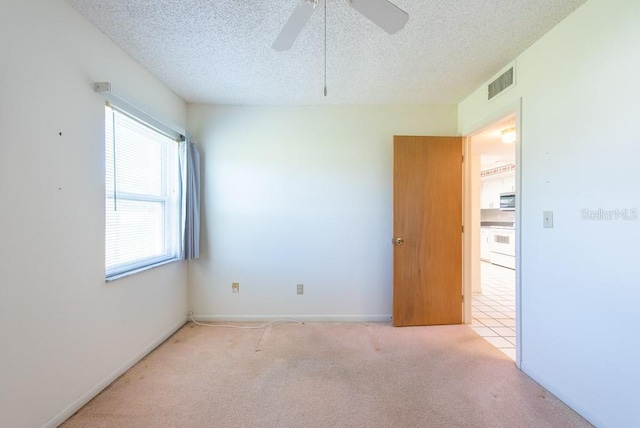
(491, 252)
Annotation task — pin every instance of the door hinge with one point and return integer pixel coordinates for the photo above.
(463, 228)
(462, 158)
(463, 298)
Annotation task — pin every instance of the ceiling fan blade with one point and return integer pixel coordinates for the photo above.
(384, 14)
(294, 25)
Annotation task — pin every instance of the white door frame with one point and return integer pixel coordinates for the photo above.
(514, 107)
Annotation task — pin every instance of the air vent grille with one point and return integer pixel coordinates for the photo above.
(501, 83)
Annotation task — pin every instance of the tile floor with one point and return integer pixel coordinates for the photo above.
(494, 309)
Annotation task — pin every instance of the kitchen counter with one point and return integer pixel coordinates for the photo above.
(503, 224)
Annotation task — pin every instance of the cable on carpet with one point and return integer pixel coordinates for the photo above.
(253, 327)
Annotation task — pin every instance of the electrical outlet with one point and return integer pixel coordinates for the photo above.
(300, 288)
(235, 287)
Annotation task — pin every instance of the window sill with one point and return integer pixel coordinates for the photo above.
(141, 269)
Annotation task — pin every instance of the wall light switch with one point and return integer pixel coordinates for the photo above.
(547, 219)
(300, 289)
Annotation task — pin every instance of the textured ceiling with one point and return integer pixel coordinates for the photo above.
(219, 51)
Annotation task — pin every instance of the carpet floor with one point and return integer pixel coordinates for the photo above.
(325, 375)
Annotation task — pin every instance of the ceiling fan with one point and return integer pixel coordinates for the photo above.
(383, 13)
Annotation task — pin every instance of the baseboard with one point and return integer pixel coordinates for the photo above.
(298, 317)
(86, 397)
(544, 382)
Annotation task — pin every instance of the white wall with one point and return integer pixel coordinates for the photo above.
(64, 331)
(300, 195)
(580, 149)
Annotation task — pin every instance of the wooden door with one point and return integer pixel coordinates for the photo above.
(427, 226)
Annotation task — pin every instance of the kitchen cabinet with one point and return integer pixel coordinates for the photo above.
(485, 245)
(490, 193)
(493, 186)
(509, 183)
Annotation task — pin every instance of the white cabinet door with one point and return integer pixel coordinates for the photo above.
(490, 195)
(509, 183)
(485, 249)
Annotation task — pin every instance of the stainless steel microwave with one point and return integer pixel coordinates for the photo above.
(508, 201)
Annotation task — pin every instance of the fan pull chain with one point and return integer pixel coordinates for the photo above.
(325, 48)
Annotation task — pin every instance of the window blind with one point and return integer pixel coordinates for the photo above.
(142, 198)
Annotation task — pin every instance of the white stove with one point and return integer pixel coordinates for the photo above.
(502, 243)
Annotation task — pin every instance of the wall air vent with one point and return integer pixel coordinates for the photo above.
(502, 82)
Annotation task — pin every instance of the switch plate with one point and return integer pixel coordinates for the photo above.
(300, 288)
(235, 287)
(547, 219)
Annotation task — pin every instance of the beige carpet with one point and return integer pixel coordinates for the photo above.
(325, 375)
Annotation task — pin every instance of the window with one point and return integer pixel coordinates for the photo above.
(142, 195)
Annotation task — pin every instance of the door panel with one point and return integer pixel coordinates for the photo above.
(427, 216)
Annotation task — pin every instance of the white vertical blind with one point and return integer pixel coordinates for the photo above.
(142, 195)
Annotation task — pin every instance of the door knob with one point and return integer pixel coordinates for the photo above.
(398, 241)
